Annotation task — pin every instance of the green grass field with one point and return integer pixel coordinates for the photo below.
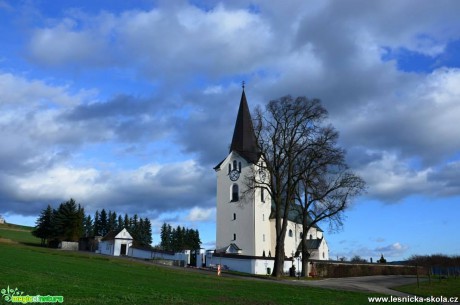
(448, 287)
(85, 278)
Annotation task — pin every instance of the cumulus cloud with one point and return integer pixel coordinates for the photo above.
(152, 188)
(199, 214)
(392, 251)
(396, 126)
(396, 249)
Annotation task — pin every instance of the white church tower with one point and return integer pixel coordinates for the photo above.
(243, 224)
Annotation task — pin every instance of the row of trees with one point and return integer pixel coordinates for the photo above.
(306, 167)
(179, 239)
(104, 222)
(438, 260)
(69, 223)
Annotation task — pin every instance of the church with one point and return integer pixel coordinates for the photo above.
(245, 221)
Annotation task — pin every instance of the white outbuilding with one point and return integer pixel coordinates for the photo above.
(116, 243)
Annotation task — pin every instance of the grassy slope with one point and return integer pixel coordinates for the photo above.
(18, 233)
(84, 278)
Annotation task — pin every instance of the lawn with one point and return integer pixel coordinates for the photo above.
(87, 278)
(447, 287)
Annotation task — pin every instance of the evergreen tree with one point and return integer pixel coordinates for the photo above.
(126, 222)
(88, 227)
(43, 228)
(165, 237)
(148, 231)
(179, 239)
(104, 222)
(97, 224)
(112, 221)
(80, 222)
(68, 221)
(120, 222)
(140, 234)
(134, 226)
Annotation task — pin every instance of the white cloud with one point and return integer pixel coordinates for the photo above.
(153, 187)
(199, 214)
(393, 250)
(401, 122)
(18, 91)
(64, 44)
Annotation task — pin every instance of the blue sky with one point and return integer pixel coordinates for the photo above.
(128, 105)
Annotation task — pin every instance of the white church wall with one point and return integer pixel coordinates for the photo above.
(243, 226)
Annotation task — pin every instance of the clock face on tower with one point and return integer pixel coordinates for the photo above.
(262, 175)
(234, 175)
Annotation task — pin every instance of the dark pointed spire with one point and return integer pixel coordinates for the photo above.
(244, 140)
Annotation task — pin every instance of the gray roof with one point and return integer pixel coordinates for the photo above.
(312, 244)
(295, 215)
(229, 249)
(244, 140)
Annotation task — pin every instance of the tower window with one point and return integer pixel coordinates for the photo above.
(235, 193)
(234, 216)
(262, 195)
(301, 234)
(229, 168)
(311, 236)
(290, 233)
(239, 167)
(234, 236)
(234, 164)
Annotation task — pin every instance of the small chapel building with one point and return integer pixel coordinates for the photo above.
(245, 225)
(116, 243)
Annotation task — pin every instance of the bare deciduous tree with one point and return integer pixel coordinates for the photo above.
(284, 133)
(300, 167)
(326, 188)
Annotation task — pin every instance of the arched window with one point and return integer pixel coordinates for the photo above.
(229, 168)
(262, 195)
(311, 236)
(239, 167)
(234, 216)
(290, 233)
(324, 255)
(234, 164)
(235, 192)
(301, 234)
(234, 236)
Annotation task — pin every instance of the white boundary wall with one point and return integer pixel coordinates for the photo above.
(149, 254)
(252, 265)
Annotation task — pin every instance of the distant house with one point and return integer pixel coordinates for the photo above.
(116, 243)
(2, 220)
